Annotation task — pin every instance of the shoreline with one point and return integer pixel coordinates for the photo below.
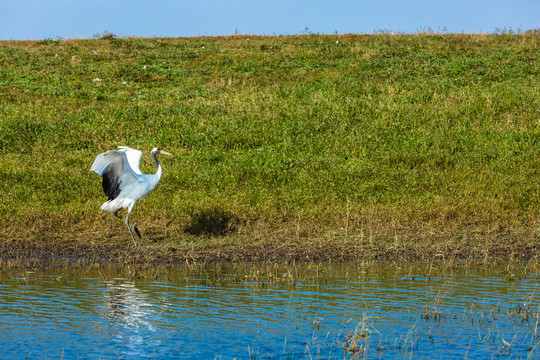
(18, 253)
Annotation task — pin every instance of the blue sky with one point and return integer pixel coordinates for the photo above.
(40, 19)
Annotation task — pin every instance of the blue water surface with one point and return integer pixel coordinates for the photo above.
(327, 312)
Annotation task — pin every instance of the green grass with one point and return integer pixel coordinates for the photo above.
(364, 139)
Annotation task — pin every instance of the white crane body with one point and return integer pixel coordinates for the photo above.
(123, 181)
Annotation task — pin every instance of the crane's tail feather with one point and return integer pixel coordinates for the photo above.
(116, 204)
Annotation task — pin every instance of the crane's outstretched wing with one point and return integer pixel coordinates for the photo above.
(114, 166)
(134, 158)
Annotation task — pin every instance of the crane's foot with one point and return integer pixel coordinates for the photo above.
(128, 224)
(136, 231)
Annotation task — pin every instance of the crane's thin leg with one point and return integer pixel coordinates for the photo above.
(134, 227)
(129, 228)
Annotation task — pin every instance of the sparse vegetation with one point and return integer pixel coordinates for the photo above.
(310, 146)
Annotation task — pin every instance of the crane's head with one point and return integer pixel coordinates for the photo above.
(157, 150)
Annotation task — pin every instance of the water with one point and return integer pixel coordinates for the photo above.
(309, 311)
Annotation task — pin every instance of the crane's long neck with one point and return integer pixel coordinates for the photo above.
(158, 165)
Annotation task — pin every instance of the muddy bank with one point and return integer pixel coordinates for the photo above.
(119, 252)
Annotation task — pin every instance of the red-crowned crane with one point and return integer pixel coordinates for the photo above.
(123, 182)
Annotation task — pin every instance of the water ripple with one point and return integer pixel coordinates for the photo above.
(84, 316)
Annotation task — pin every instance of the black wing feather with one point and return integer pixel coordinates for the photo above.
(111, 183)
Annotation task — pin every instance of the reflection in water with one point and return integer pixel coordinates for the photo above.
(121, 302)
(323, 311)
(126, 311)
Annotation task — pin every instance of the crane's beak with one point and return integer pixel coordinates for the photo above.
(166, 153)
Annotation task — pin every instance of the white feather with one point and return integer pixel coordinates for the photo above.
(134, 158)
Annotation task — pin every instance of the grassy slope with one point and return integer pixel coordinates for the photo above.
(422, 142)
